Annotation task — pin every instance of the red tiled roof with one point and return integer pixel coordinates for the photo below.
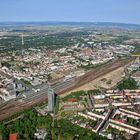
(121, 121)
(72, 100)
(12, 136)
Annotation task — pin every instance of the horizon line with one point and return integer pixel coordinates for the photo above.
(95, 22)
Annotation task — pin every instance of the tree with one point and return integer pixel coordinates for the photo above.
(127, 84)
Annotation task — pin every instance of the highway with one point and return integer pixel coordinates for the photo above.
(33, 98)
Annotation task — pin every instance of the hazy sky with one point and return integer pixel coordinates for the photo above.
(124, 11)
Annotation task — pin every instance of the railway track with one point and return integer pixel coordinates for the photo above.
(13, 107)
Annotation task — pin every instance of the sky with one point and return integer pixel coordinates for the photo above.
(121, 11)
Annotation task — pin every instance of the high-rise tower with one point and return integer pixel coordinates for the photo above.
(51, 99)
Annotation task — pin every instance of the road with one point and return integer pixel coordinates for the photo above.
(105, 122)
(34, 98)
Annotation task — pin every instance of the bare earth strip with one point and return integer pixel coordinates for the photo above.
(115, 77)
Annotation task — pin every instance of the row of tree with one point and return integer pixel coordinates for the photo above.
(26, 127)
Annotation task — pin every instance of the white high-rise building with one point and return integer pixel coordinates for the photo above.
(51, 99)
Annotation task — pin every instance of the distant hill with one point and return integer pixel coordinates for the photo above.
(119, 25)
(73, 24)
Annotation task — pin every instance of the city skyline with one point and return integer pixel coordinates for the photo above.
(77, 11)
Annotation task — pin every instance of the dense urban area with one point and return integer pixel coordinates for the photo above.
(69, 82)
